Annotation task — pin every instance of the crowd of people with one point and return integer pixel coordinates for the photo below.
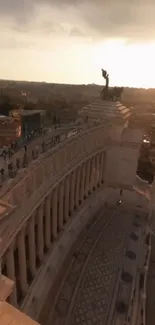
(11, 166)
(11, 163)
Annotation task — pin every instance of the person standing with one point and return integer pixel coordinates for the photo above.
(2, 174)
(4, 155)
(43, 147)
(17, 163)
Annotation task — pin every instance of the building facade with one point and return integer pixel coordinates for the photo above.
(52, 205)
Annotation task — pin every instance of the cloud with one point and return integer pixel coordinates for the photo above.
(100, 18)
(13, 43)
(18, 10)
(121, 18)
(76, 32)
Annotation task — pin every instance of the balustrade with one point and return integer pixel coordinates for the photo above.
(55, 160)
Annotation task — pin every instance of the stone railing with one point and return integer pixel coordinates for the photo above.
(46, 172)
(49, 140)
(54, 161)
(54, 166)
(56, 158)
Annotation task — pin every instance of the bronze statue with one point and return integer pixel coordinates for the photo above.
(104, 92)
(112, 93)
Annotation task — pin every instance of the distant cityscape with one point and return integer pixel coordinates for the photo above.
(28, 107)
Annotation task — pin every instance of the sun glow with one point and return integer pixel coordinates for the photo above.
(127, 64)
(79, 60)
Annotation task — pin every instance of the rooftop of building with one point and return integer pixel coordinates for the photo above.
(5, 118)
(28, 112)
(12, 316)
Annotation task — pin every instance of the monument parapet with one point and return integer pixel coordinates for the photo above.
(107, 109)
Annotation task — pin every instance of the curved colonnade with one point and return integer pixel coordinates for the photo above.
(67, 175)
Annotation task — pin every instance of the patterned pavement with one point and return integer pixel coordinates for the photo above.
(86, 295)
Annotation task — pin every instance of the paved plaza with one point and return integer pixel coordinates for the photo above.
(87, 292)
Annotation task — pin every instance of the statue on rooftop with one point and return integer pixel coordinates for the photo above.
(104, 92)
(112, 93)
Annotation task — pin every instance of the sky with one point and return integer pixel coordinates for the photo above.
(70, 41)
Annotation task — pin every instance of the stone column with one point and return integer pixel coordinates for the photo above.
(92, 174)
(10, 267)
(54, 212)
(72, 192)
(97, 170)
(22, 261)
(100, 168)
(40, 233)
(32, 246)
(77, 187)
(87, 184)
(48, 222)
(61, 206)
(66, 198)
(83, 175)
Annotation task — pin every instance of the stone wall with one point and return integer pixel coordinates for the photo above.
(121, 165)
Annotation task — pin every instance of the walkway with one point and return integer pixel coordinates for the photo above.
(90, 276)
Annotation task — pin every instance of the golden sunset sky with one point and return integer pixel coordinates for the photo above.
(69, 41)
